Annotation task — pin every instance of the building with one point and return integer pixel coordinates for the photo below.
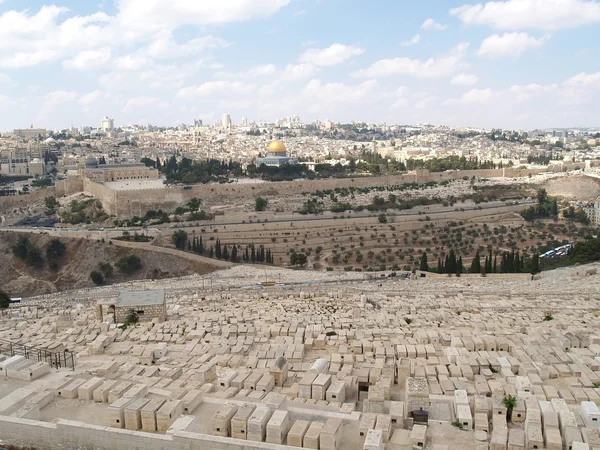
(147, 305)
(244, 122)
(226, 120)
(103, 173)
(31, 133)
(593, 212)
(107, 124)
(276, 156)
(18, 161)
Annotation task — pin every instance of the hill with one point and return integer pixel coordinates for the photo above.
(81, 257)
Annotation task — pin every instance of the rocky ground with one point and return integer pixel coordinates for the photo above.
(82, 256)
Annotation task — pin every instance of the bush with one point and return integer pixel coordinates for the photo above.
(260, 204)
(4, 300)
(97, 277)
(382, 218)
(106, 269)
(54, 252)
(20, 248)
(129, 264)
(34, 257)
(179, 239)
(50, 202)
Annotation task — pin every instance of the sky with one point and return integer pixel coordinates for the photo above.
(519, 64)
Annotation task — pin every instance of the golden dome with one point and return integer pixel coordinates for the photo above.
(276, 147)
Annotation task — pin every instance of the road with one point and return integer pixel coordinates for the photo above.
(155, 230)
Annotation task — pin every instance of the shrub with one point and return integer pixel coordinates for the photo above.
(260, 204)
(129, 264)
(106, 269)
(97, 277)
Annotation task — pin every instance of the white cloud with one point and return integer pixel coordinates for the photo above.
(432, 25)
(509, 45)
(55, 98)
(412, 41)
(30, 39)
(334, 93)
(89, 99)
(88, 59)
(584, 79)
(160, 14)
(165, 46)
(330, 56)
(477, 96)
(293, 72)
(261, 70)
(523, 93)
(131, 62)
(139, 102)
(530, 14)
(209, 88)
(432, 68)
(463, 79)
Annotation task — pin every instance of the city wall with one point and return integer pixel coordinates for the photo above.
(70, 434)
(137, 202)
(129, 203)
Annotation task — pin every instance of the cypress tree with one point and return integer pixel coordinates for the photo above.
(495, 265)
(253, 254)
(476, 264)
(158, 165)
(200, 246)
(246, 255)
(234, 253)
(459, 265)
(218, 253)
(189, 246)
(440, 268)
(535, 264)
(424, 267)
(212, 252)
(225, 254)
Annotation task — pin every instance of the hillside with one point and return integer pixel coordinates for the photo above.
(81, 257)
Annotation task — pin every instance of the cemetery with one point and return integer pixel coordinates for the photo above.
(318, 360)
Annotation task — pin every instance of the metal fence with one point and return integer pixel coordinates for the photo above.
(56, 360)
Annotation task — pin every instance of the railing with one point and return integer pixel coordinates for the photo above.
(56, 360)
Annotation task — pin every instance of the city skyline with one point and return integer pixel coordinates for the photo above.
(519, 64)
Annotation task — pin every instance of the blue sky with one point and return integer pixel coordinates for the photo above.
(510, 64)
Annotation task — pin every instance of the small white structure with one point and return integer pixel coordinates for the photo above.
(590, 414)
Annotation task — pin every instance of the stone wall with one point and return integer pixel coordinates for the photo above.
(136, 202)
(71, 434)
(129, 203)
(149, 312)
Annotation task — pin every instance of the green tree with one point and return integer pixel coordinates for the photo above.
(424, 267)
(20, 248)
(382, 218)
(97, 277)
(131, 318)
(4, 300)
(129, 264)
(50, 202)
(476, 263)
(510, 401)
(34, 257)
(298, 259)
(535, 263)
(234, 256)
(55, 250)
(106, 269)
(260, 204)
(179, 239)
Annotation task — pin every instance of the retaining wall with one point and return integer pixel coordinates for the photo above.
(69, 434)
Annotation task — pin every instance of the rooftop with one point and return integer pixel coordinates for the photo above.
(140, 298)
